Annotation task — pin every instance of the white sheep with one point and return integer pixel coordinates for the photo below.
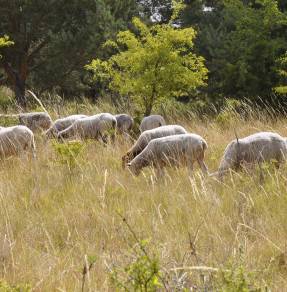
(93, 127)
(124, 123)
(34, 120)
(16, 140)
(151, 122)
(177, 150)
(149, 135)
(62, 124)
(251, 150)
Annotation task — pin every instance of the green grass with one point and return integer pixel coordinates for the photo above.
(54, 217)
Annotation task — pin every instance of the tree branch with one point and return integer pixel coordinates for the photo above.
(38, 48)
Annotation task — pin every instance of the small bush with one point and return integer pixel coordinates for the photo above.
(68, 152)
(238, 280)
(141, 274)
(5, 287)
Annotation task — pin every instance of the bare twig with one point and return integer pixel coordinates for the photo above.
(38, 100)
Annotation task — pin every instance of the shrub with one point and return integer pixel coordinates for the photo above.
(237, 279)
(141, 274)
(68, 152)
(5, 287)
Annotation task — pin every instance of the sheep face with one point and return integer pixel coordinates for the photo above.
(134, 169)
(229, 160)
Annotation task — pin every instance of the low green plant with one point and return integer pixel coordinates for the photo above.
(5, 287)
(237, 279)
(141, 274)
(68, 152)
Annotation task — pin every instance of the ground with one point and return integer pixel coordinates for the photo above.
(56, 219)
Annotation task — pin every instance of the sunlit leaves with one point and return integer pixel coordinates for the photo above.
(154, 63)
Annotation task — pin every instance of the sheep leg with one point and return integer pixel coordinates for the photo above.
(33, 150)
(103, 138)
(203, 166)
(113, 138)
(190, 168)
(159, 171)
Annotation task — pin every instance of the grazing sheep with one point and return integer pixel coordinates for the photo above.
(174, 151)
(124, 123)
(34, 121)
(149, 135)
(93, 127)
(151, 122)
(256, 148)
(16, 140)
(62, 124)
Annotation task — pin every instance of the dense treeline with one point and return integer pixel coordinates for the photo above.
(243, 43)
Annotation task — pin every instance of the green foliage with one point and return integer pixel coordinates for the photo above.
(237, 280)
(5, 42)
(240, 41)
(153, 64)
(282, 62)
(252, 47)
(68, 152)
(229, 115)
(52, 46)
(141, 274)
(5, 287)
(178, 6)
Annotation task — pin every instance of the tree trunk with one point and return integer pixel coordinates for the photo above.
(19, 88)
(150, 102)
(18, 82)
(148, 110)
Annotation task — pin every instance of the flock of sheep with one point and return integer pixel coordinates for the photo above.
(159, 145)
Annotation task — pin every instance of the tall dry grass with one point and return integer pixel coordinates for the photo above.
(53, 219)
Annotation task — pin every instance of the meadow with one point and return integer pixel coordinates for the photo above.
(89, 225)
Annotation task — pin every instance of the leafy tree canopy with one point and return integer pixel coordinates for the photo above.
(5, 42)
(54, 38)
(282, 72)
(152, 64)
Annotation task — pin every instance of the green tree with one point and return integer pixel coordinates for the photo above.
(153, 64)
(240, 40)
(282, 72)
(5, 42)
(252, 47)
(54, 38)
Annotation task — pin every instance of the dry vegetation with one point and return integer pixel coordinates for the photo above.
(55, 219)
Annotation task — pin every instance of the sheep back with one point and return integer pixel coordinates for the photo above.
(151, 122)
(15, 140)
